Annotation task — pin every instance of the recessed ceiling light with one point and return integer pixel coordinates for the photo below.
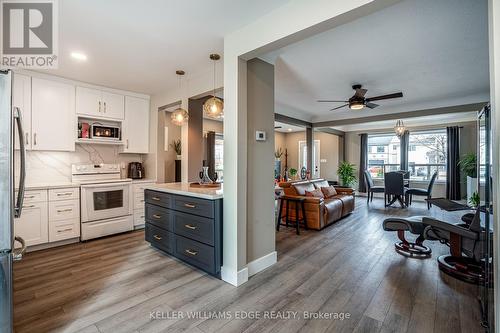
(78, 56)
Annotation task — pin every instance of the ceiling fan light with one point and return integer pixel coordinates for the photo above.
(356, 105)
(213, 108)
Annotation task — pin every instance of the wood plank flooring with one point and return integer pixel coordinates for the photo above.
(119, 284)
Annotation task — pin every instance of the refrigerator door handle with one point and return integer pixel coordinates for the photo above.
(22, 177)
(18, 253)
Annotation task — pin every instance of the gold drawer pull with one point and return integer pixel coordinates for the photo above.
(156, 216)
(64, 230)
(157, 237)
(188, 205)
(156, 198)
(191, 252)
(65, 210)
(189, 226)
(64, 194)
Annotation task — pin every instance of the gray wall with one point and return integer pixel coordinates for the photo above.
(260, 186)
(467, 145)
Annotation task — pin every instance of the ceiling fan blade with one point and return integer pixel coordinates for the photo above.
(389, 96)
(360, 92)
(330, 101)
(339, 107)
(371, 105)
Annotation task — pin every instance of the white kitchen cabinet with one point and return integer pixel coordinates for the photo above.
(99, 104)
(136, 126)
(53, 122)
(21, 98)
(33, 225)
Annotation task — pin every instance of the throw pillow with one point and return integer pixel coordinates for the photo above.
(316, 193)
(329, 191)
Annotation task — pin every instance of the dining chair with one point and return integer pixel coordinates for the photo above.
(370, 186)
(421, 192)
(394, 188)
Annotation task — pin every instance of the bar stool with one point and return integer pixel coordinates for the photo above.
(298, 202)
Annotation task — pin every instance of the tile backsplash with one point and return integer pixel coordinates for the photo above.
(50, 166)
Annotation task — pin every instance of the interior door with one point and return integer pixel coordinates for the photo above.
(315, 173)
(113, 105)
(88, 102)
(21, 97)
(53, 115)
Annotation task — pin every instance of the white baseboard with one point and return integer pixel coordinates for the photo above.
(262, 263)
(236, 278)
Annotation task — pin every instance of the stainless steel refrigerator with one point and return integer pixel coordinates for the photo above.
(10, 206)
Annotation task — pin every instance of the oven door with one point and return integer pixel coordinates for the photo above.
(105, 201)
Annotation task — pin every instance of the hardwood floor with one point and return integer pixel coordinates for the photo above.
(120, 284)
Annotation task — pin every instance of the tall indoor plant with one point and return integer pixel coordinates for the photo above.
(468, 165)
(277, 163)
(347, 174)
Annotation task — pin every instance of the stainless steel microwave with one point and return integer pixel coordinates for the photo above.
(98, 131)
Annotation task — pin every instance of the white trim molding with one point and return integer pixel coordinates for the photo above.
(236, 278)
(262, 263)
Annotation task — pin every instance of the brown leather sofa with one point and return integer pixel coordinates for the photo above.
(320, 212)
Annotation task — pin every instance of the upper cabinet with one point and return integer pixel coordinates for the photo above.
(100, 104)
(136, 126)
(21, 98)
(53, 121)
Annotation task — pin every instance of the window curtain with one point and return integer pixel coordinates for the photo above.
(404, 142)
(363, 162)
(452, 169)
(211, 154)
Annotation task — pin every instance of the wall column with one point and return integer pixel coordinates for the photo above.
(309, 145)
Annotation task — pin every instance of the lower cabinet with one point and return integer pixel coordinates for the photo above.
(33, 225)
(186, 227)
(139, 213)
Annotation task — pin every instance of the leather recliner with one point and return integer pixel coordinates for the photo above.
(320, 212)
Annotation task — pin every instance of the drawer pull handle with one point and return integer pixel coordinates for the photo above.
(64, 194)
(142, 216)
(65, 210)
(191, 252)
(30, 206)
(188, 205)
(157, 237)
(189, 226)
(64, 230)
(156, 216)
(156, 198)
(29, 197)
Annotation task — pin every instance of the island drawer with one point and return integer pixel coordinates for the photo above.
(158, 198)
(195, 253)
(158, 216)
(194, 206)
(195, 227)
(159, 238)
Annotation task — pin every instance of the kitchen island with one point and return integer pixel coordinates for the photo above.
(186, 222)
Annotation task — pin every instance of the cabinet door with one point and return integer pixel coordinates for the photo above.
(53, 120)
(33, 225)
(136, 125)
(88, 102)
(113, 105)
(21, 98)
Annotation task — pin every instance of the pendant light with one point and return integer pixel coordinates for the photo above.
(399, 128)
(179, 116)
(214, 107)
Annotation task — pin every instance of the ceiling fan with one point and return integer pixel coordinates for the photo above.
(358, 101)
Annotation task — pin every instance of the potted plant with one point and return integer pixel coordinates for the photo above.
(468, 165)
(293, 173)
(176, 144)
(347, 174)
(474, 200)
(277, 163)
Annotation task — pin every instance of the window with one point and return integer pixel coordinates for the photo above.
(383, 154)
(219, 157)
(427, 154)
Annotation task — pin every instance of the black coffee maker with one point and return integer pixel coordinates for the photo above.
(135, 170)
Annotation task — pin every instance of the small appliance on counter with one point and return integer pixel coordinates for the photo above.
(135, 170)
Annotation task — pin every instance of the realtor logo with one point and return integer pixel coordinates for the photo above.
(29, 33)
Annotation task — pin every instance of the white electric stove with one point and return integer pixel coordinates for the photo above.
(106, 200)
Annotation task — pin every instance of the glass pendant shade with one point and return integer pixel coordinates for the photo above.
(213, 108)
(179, 116)
(399, 128)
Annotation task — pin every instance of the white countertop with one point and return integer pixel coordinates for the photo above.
(185, 189)
(144, 180)
(44, 186)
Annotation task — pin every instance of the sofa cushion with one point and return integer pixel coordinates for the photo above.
(317, 193)
(333, 210)
(347, 203)
(301, 188)
(320, 183)
(329, 191)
